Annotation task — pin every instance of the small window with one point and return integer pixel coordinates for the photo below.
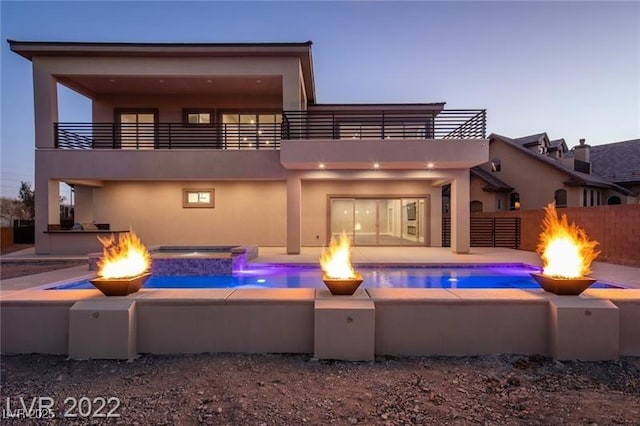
(514, 201)
(198, 198)
(495, 165)
(613, 200)
(197, 117)
(499, 204)
(560, 197)
(475, 206)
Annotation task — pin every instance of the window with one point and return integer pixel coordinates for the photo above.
(476, 206)
(514, 201)
(198, 198)
(197, 116)
(495, 165)
(614, 200)
(584, 198)
(499, 204)
(137, 128)
(251, 131)
(591, 198)
(560, 197)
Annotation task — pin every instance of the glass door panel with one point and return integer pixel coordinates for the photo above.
(379, 222)
(342, 217)
(137, 130)
(366, 222)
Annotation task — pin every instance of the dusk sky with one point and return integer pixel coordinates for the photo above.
(569, 69)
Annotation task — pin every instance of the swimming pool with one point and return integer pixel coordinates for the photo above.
(290, 276)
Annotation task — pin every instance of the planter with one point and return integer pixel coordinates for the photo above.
(563, 286)
(342, 287)
(119, 286)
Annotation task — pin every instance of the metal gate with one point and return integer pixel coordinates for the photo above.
(488, 232)
(24, 231)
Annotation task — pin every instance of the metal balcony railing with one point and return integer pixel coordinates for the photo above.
(445, 124)
(296, 125)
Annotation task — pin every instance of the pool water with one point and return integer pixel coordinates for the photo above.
(282, 276)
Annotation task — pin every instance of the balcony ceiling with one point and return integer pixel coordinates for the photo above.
(246, 85)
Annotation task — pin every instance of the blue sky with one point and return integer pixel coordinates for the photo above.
(571, 69)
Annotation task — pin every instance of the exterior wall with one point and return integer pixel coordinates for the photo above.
(535, 181)
(244, 212)
(488, 199)
(616, 228)
(170, 106)
(315, 209)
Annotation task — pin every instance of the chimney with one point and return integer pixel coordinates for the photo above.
(582, 153)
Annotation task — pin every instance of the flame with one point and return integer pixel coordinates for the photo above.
(565, 249)
(128, 258)
(336, 259)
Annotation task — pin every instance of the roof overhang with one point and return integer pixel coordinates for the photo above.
(31, 49)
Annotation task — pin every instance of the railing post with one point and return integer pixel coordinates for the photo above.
(383, 125)
(55, 135)
(169, 125)
(113, 135)
(333, 126)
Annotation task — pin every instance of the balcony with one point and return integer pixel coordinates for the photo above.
(295, 126)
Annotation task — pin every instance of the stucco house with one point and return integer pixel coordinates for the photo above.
(531, 171)
(224, 144)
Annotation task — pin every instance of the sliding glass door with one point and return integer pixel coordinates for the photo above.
(379, 221)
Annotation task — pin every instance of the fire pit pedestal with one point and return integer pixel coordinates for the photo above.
(119, 286)
(563, 286)
(342, 287)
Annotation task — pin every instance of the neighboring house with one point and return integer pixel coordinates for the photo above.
(530, 172)
(219, 144)
(618, 162)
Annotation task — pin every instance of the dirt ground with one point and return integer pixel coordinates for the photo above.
(227, 389)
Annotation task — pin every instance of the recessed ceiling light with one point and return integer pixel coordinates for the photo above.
(209, 81)
(430, 165)
(161, 81)
(112, 81)
(321, 166)
(258, 81)
(376, 165)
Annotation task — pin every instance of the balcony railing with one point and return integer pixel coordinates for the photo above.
(446, 124)
(166, 136)
(296, 125)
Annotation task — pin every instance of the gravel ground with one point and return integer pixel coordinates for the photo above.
(226, 389)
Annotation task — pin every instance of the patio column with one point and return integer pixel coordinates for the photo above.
(45, 98)
(83, 207)
(294, 211)
(460, 218)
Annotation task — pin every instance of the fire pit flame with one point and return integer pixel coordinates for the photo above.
(124, 265)
(565, 249)
(336, 260)
(566, 253)
(125, 259)
(337, 271)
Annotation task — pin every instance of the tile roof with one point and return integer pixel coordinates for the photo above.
(531, 139)
(575, 178)
(618, 162)
(493, 183)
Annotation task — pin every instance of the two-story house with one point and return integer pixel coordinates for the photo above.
(531, 171)
(224, 144)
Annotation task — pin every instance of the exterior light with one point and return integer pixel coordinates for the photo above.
(321, 166)
(430, 165)
(376, 165)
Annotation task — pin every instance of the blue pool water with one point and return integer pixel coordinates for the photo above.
(282, 276)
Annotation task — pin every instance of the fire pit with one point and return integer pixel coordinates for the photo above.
(123, 267)
(566, 253)
(337, 272)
